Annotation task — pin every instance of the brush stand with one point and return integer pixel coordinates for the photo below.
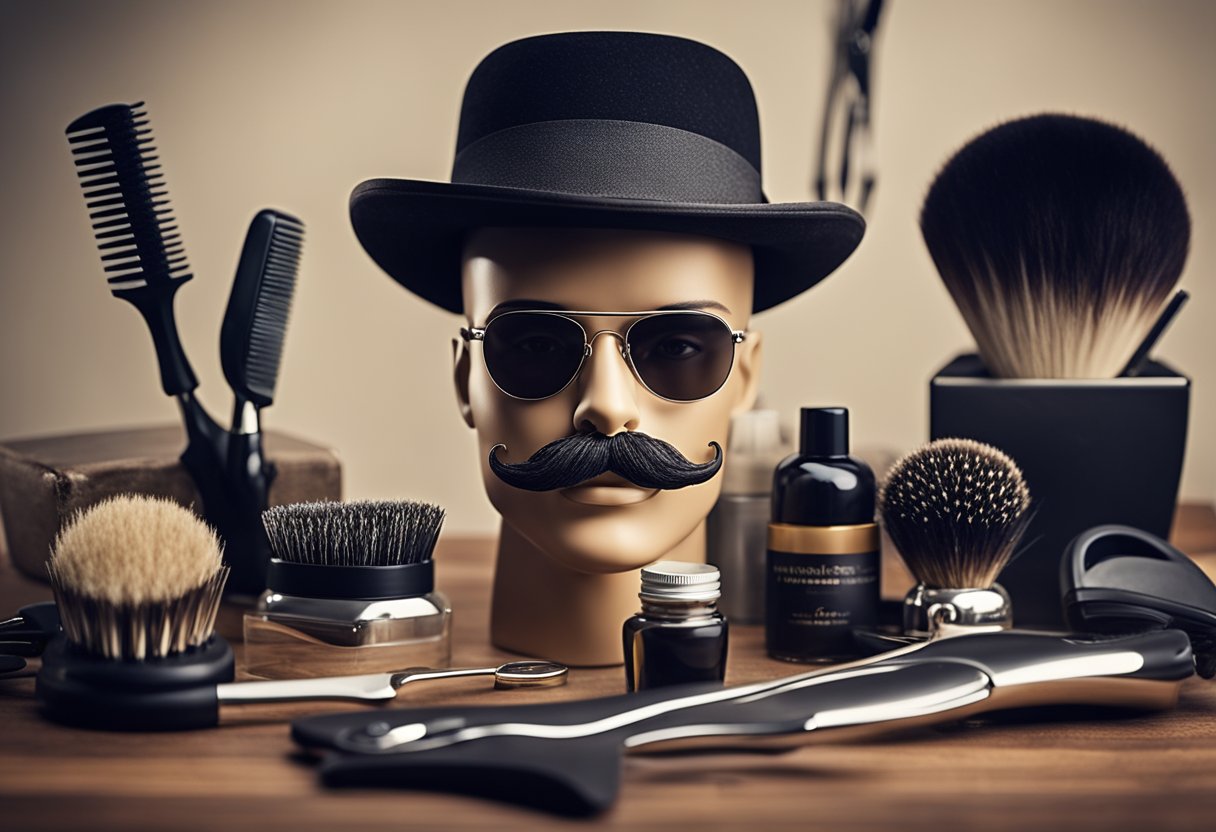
(45, 481)
(319, 620)
(175, 693)
(1093, 451)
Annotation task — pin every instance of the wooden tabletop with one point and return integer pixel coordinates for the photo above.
(1153, 772)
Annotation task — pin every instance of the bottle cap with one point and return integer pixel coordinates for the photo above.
(825, 431)
(673, 580)
(753, 451)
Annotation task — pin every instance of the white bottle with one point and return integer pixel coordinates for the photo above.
(737, 528)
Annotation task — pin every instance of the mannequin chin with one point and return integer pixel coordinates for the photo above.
(566, 575)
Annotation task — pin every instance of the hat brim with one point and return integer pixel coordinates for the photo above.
(414, 230)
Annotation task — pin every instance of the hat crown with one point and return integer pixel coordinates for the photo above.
(615, 76)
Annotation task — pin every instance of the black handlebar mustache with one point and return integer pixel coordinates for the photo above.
(643, 460)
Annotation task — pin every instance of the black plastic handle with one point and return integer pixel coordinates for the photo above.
(1165, 656)
(27, 633)
(248, 479)
(155, 302)
(169, 694)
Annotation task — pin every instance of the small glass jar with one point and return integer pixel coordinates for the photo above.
(347, 620)
(679, 636)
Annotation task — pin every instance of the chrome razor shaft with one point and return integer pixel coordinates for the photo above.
(939, 680)
(378, 687)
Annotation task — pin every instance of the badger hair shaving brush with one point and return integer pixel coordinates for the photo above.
(1060, 239)
(138, 583)
(956, 510)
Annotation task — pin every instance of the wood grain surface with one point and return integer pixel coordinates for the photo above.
(1082, 772)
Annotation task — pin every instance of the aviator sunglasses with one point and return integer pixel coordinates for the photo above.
(679, 355)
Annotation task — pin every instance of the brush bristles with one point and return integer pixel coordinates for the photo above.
(1060, 240)
(366, 533)
(955, 509)
(139, 631)
(127, 199)
(137, 578)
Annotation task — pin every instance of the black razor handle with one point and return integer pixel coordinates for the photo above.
(1009, 658)
(573, 749)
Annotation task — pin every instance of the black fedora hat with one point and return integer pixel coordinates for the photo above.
(603, 130)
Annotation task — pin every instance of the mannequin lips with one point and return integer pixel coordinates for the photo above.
(608, 490)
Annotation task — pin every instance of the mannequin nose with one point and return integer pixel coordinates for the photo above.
(609, 391)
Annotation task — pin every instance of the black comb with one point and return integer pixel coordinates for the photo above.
(141, 247)
(251, 340)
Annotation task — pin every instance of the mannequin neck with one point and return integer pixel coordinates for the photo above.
(543, 609)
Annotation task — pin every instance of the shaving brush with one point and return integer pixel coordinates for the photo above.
(956, 510)
(1060, 239)
(137, 578)
(360, 533)
(138, 582)
(350, 590)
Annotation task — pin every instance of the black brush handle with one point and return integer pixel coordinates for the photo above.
(230, 505)
(155, 304)
(249, 477)
(1136, 363)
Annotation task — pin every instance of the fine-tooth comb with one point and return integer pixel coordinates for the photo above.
(251, 346)
(251, 341)
(141, 247)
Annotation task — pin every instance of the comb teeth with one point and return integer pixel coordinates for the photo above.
(273, 308)
(126, 197)
(256, 321)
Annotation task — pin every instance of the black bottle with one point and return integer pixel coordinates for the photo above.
(823, 563)
(679, 636)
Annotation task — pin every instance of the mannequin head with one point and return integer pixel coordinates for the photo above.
(607, 524)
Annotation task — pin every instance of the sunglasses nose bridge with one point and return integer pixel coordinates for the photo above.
(623, 347)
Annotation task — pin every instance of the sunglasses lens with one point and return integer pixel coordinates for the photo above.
(532, 355)
(682, 356)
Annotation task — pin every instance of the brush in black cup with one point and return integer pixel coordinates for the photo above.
(351, 589)
(1060, 239)
(956, 510)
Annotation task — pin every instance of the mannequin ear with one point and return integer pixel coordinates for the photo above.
(460, 376)
(747, 366)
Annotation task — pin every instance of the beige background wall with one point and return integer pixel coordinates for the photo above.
(290, 104)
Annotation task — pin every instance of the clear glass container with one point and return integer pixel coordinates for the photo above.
(290, 637)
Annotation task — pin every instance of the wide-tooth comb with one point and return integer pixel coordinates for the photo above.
(255, 323)
(126, 196)
(141, 248)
